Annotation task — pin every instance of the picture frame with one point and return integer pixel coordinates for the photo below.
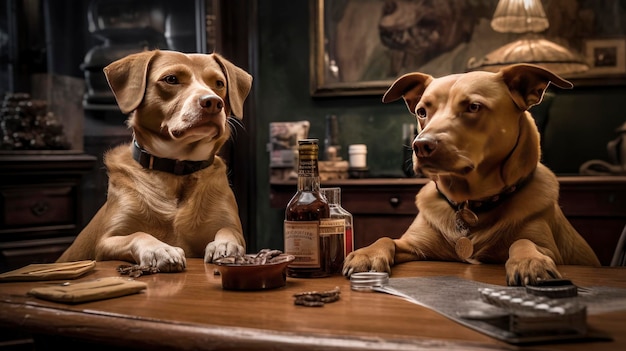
(350, 55)
(321, 66)
(606, 56)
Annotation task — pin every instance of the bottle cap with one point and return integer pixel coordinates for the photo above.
(308, 141)
(553, 288)
(358, 155)
(357, 148)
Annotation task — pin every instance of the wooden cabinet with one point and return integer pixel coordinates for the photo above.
(40, 205)
(596, 207)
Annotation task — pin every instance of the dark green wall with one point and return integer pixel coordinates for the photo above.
(282, 88)
(581, 121)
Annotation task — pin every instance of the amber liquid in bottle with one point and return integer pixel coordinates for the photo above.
(304, 212)
(339, 238)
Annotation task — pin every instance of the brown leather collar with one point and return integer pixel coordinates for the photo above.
(489, 202)
(177, 167)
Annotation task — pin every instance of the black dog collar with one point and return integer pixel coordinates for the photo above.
(177, 167)
(465, 212)
(489, 202)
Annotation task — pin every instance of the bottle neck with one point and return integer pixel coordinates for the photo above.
(308, 170)
(308, 183)
(333, 196)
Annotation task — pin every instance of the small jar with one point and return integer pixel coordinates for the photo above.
(358, 155)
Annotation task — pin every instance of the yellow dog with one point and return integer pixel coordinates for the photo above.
(169, 196)
(490, 199)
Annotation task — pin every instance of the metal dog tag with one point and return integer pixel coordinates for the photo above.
(466, 215)
(464, 248)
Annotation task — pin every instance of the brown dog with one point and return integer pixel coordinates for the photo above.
(490, 200)
(169, 196)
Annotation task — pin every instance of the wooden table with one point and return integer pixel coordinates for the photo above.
(191, 311)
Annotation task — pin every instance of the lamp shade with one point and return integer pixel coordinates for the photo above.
(535, 50)
(519, 16)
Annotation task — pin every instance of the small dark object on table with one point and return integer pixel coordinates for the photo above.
(317, 298)
(136, 270)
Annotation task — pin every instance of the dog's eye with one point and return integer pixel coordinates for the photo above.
(421, 112)
(171, 79)
(473, 107)
(219, 83)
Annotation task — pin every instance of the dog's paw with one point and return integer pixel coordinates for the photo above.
(528, 271)
(165, 258)
(358, 261)
(217, 249)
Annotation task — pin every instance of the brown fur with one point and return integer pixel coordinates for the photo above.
(179, 107)
(478, 139)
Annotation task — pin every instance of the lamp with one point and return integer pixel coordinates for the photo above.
(519, 16)
(528, 18)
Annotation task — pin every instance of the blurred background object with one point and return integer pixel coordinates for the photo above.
(528, 18)
(26, 124)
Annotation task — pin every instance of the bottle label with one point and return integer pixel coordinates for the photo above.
(331, 226)
(307, 168)
(302, 241)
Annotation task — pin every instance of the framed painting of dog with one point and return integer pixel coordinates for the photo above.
(358, 47)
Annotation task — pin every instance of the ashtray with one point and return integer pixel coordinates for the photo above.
(254, 276)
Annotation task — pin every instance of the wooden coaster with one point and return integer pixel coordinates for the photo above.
(464, 248)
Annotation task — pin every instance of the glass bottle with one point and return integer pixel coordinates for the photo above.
(303, 215)
(333, 196)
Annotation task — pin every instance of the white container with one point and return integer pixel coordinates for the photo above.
(358, 155)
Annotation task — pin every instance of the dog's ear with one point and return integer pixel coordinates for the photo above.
(410, 87)
(239, 84)
(127, 78)
(527, 83)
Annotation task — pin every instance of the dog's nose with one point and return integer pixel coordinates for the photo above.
(212, 103)
(424, 146)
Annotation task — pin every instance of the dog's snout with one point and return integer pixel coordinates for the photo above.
(212, 103)
(424, 146)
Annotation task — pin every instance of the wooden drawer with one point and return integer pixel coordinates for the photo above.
(40, 204)
(16, 254)
(366, 196)
(602, 234)
(593, 202)
(369, 228)
(379, 201)
(37, 205)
